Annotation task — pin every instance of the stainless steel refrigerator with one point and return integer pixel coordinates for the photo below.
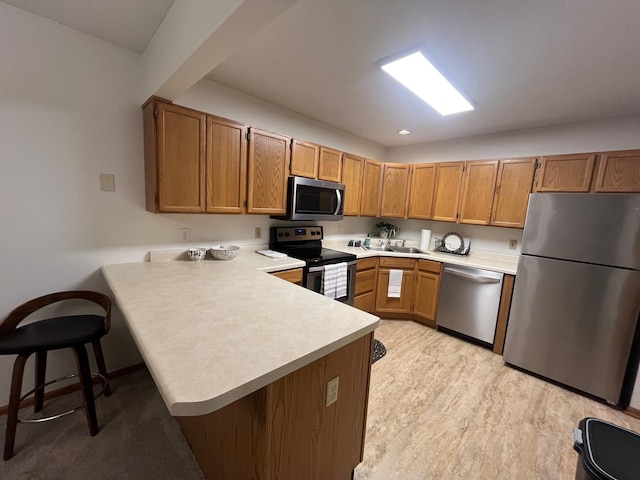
(576, 297)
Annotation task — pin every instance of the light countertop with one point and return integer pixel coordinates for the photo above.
(497, 262)
(212, 332)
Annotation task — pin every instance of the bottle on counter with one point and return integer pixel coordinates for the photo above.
(367, 241)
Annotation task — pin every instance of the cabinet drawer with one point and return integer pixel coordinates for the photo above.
(293, 276)
(404, 263)
(367, 263)
(365, 282)
(365, 302)
(429, 266)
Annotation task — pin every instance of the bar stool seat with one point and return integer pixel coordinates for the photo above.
(73, 331)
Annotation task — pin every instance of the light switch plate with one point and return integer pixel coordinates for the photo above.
(107, 182)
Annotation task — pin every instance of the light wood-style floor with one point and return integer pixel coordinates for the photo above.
(442, 408)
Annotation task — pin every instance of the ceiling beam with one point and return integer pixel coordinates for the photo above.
(196, 36)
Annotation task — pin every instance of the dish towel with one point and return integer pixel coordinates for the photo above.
(341, 280)
(395, 284)
(329, 281)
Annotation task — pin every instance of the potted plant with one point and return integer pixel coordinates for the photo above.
(385, 230)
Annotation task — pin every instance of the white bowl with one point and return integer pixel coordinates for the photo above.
(197, 254)
(224, 252)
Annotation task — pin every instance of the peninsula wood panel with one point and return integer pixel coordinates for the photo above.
(619, 172)
(371, 185)
(175, 182)
(304, 159)
(268, 170)
(513, 186)
(294, 275)
(421, 188)
(478, 188)
(330, 166)
(226, 177)
(352, 178)
(565, 173)
(447, 191)
(284, 430)
(395, 183)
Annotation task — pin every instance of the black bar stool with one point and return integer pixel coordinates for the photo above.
(74, 332)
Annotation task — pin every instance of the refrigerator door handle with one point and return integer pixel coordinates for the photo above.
(471, 276)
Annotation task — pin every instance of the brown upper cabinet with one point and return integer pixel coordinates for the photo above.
(371, 188)
(304, 159)
(330, 167)
(395, 180)
(423, 179)
(447, 191)
(565, 173)
(352, 177)
(619, 172)
(226, 178)
(478, 186)
(174, 156)
(513, 186)
(268, 170)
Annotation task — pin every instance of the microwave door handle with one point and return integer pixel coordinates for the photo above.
(339, 195)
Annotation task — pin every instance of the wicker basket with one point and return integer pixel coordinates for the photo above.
(224, 252)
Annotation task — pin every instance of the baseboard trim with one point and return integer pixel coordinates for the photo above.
(76, 386)
(634, 412)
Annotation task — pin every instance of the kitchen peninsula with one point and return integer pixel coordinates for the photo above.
(242, 360)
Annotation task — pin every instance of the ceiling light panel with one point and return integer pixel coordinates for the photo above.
(416, 73)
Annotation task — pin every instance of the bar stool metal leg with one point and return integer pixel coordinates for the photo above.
(84, 372)
(14, 405)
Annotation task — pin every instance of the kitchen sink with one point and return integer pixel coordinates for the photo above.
(407, 250)
(381, 248)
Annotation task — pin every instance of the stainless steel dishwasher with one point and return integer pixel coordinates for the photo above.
(469, 301)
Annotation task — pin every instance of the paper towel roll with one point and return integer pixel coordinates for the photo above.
(425, 239)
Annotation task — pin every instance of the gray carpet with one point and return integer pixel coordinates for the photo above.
(138, 439)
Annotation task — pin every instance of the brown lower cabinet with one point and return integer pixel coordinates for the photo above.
(425, 305)
(294, 275)
(399, 307)
(366, 280)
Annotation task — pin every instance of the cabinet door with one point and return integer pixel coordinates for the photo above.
(386, 304)
(478, 187)
(226, 166)
(423, 178)
(515, 179)
(269, 157)
(304, 159)
(293, 276)
(565, 173)
(330, 168)
(619, 172)
(352, 177)
(180, 138)
(425, 303)
(447, 191)
(371, 188)
(395, 183)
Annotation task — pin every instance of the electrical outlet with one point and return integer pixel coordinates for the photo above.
(513, 244)
(332, 391)
(258, 232)
(186, 234)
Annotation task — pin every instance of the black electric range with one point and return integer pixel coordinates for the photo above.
(305, 243)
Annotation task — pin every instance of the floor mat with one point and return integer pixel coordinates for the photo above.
(379, 351)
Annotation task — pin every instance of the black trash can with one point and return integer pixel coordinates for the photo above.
(607, 451)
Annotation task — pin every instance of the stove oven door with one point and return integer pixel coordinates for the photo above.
(314, 279)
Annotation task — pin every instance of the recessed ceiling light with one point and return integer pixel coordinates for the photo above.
(403, 132)
(416, 73)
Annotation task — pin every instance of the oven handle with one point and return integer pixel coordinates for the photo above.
(320, 269)
(339, 195)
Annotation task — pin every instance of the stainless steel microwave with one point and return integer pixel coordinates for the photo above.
(309, 199)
